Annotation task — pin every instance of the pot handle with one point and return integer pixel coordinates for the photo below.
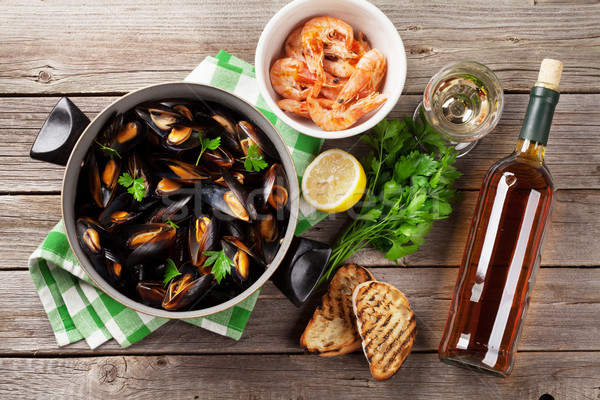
(60, 132)
(301, 269)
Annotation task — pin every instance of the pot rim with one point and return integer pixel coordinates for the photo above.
(286, 159)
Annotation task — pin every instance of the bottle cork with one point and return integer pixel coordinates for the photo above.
(550, 72)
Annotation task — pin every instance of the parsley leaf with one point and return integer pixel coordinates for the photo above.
(171, 271)
(136, 186)
(172, 224)
(109, 151)
(255, 160)
(208, 144)
(410, 183)
(220, 262)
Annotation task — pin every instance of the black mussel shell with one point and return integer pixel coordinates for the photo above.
(219, 158)
(239, 191)
(246, 266)
(184, 136)
(274, 190)
(185, 290)
(249, 134)
(160, 117)
(151, 292)
(146, 241)
(181, 171)
(120, 212)
(223, 201)
(103, 175)
(203, 236)
(176, 209)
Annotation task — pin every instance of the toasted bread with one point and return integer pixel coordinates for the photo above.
(386, 325)
(332, 328)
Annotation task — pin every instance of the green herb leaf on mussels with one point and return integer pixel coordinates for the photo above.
(109, 151)
(255, 160)
(208, 144)
(135, 186)
(171, 271)
(172, 224)
(407, 189)
(221, 264)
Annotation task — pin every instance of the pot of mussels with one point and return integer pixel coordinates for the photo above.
(180, 200)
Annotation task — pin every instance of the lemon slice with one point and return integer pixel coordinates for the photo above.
(334, 181)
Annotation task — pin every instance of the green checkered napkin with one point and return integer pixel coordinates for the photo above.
(78, 310)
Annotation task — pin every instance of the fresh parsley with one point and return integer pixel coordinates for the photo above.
(255, 160)
(172, 224)
(208, 144)
(109, 151)
(136, 186)
(171, 271)
(220, 262)
(408, 188)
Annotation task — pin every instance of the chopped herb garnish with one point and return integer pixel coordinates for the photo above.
(109, 151)
(255, 160)
(208, 144)
(220, 262)
(171, 271)
(136, 186)
(172, 224)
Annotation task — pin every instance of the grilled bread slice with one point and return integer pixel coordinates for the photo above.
(332, 329)
(386, 325)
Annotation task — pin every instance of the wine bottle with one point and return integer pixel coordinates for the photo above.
(505, 242)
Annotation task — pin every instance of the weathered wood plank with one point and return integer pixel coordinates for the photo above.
(573, 240)
(562, 317)
(117, 47)
(571, 376)
(573, 149)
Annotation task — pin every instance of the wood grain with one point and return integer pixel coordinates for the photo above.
(561, 318)
(570, 376)
(115, 47)
(573, 152)
(573, 240)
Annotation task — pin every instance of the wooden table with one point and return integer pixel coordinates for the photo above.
(95, 52)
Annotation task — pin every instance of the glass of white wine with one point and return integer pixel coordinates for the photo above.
(462, 102)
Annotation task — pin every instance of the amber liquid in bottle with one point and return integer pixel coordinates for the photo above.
(503, 252)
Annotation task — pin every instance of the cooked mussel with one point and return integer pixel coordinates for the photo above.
(103, 175)
(174, 209)
(185, 135)
(186, 289)
(223, 199)
(146, 241)
(124, 210)
(152, 292)
(219, 157)
(249, 135)
(274, 190)
(121, 134)
(178, 170)
(161, 118)
(203, 236)
(244, 261)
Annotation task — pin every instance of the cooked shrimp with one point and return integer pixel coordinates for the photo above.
(294, 106)
(322, 31)
(293, 44)
(338, 67)
(335, 119)
(370, 70)
(291, 78)
(300, 107)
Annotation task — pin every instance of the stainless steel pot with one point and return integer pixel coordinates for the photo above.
(66, 137)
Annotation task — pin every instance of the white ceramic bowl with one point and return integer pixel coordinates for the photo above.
(362, 16)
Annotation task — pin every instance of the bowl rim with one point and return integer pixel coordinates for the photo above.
(317, 132)
(82, 146)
